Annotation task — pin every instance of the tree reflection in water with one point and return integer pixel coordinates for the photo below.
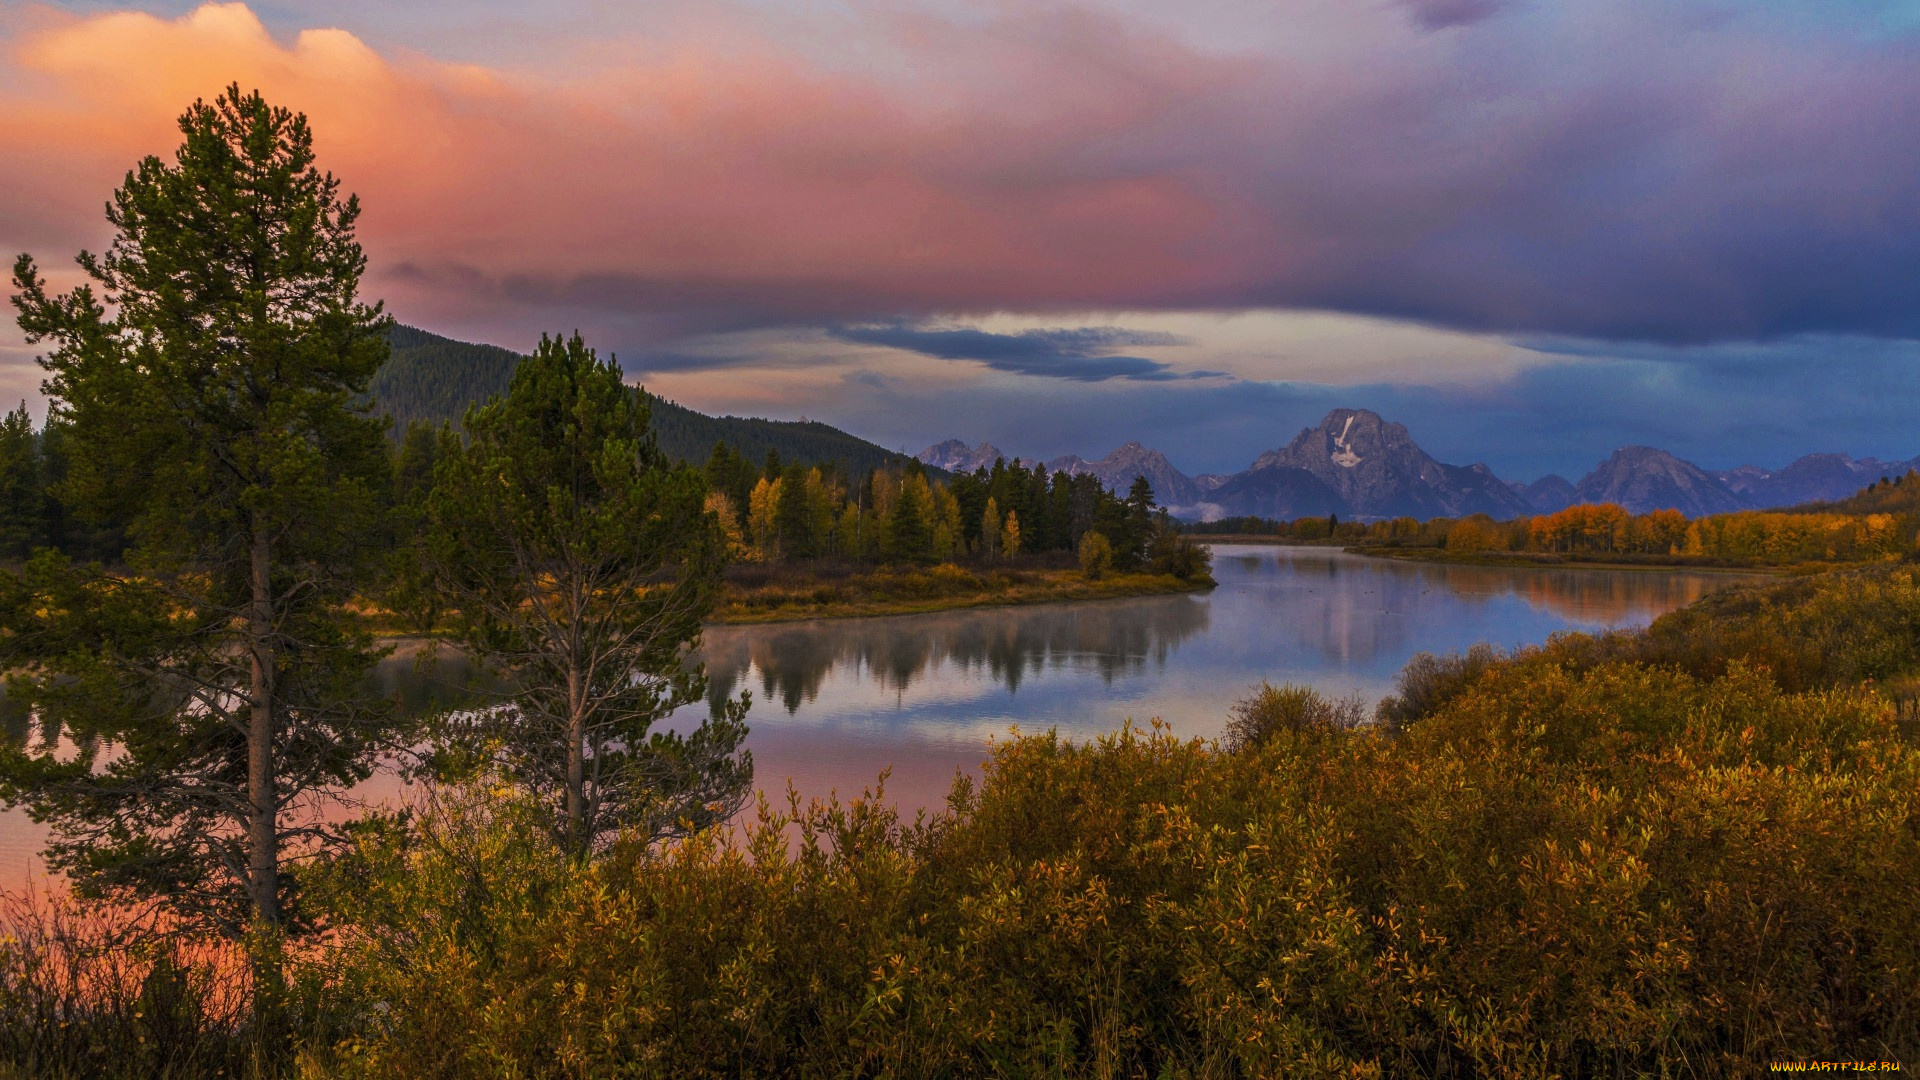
(1110, 638)
(1289, 609)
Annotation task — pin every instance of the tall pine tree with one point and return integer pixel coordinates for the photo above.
(581, 565)
(206, 396)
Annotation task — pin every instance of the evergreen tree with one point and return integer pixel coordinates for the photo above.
(582, 565)
(910, 525)
(213, 410)
(793, 518)
(1131, 549)
(413, 467)
(22, 492)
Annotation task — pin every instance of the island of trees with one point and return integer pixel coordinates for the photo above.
(1684, 851)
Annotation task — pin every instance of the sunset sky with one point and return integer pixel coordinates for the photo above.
(1533, 232)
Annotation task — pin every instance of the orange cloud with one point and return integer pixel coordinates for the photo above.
(690, 184)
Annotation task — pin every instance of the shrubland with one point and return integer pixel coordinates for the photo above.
(1578, 863)
(1680, 852)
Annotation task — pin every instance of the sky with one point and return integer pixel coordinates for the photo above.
(1532, 232)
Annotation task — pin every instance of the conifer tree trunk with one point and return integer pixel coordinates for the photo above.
(263, 833)
(576, 762)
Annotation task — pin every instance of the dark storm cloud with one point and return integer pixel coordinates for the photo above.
(1440, 14)
(1079, 354)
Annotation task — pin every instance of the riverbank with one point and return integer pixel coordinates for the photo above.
(764, 594)
(1261, 538)
(798, 594)
(1656, 563)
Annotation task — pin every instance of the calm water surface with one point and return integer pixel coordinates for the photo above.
(835, 702)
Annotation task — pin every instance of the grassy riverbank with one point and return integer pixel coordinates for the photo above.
(762, 594)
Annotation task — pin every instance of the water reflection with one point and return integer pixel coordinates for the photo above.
(1318, 613)
(1004, 646)
(836, 702)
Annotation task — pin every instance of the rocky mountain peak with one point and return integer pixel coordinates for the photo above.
(1117, 471)
(955, 456)
(1642, 478)
(1376, 468)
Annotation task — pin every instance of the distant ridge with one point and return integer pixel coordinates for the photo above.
(435, 379)
(1354, 464)
(1117, 471)
(1642, 479)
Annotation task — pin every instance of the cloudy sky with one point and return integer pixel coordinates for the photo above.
(1533, 232)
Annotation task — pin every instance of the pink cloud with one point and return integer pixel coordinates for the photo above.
(691, 181)
(1589, 168)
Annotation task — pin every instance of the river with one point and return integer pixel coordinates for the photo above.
(835, 702)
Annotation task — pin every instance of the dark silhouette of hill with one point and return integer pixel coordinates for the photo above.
(434, 379)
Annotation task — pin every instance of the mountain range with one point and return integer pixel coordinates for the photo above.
(1358, 465)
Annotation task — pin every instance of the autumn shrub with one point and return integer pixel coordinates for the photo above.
(1287, 709)
(1429, 681)
(1834, 629)
(1096, 556)
(1617, 869)
(1170, 551)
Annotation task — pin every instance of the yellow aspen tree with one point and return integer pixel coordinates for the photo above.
(820, 500)
(990, 529)
(946, 523)
(847, 533)
(760, 506)
(721, 507)
(1010, 535)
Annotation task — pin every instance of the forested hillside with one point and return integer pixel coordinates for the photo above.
(432, 378)
(1888, 495)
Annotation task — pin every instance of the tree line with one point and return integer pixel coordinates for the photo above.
(1882, 521)
(780, 512)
